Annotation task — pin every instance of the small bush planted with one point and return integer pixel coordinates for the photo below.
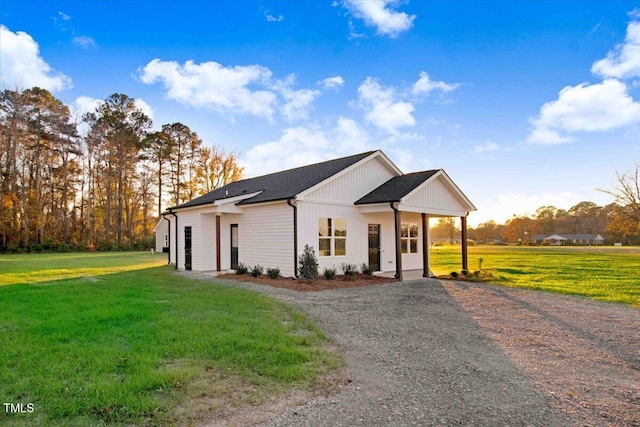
(273, 273)
(242, 269)
(329, 273)
(257, 270)
(349, 269)
(366, 269)
(308, 264)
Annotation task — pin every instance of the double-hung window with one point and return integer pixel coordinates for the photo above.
(332, 236)
(409, 238)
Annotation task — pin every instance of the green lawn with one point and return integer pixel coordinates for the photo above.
(605, 273)
(118, 339)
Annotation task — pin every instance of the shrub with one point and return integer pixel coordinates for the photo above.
(329, 273)
(242, 269)
(349, 269)
(366, 269)
(454, 274)
(257, 270)
(308, 264)
(273, 273)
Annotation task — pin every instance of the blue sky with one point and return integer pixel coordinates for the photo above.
(524, 104)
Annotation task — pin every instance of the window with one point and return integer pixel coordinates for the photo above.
(409, 238)
(332, 236)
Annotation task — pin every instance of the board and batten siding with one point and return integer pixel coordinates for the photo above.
(191, 219)
(265, 236)
(225, 238)
(436, 198)
(354, 184)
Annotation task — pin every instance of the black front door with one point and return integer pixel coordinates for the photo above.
(374, 246)
(187, 248)
(234, 246)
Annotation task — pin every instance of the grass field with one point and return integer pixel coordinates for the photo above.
(118, 339)
(602, 273)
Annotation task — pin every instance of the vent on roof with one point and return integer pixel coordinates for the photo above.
(226, 193)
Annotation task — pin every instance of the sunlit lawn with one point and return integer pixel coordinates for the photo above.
(123, 340)
(605, 273)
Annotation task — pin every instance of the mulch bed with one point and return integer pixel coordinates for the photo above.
(340, 282)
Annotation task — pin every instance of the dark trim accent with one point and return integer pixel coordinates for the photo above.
(169, 236)
(465, 258)
(425, 245)
(295, 237)
(396, 214)
(218, 245)
(176, 217)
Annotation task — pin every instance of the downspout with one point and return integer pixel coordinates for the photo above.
(164, 216)
(465, 257)
(396, 214)
(295, 237)
(176, 217)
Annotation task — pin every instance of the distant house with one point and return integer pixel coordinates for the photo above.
(569, 239)
(356, 209)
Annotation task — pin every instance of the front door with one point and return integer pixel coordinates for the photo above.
(374, 246)
(234, 246)
(187, 248)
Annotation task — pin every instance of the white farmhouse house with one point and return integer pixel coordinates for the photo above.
(356, 209)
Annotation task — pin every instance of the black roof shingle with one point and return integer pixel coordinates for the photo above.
(279, 185)
(396, 188)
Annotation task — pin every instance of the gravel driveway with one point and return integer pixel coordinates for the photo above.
(443, 353)
(415, 357)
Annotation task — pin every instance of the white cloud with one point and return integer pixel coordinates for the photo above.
(487, 147)
(598, 107)
(144, 107)
(624, 60)
(83, 105)
(383, 110)
(296, 102)
(226, 89)
(381, 14)
(331, 82)
(230, 90)
(303, 145)
(84, 42)
(271, 18)
(22, 65)
(426, 85)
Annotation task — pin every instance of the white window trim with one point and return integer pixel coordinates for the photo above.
(332, 238)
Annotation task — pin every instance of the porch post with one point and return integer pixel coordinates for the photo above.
(218, 266)
(398, 243)
(425, 245)
(463, 227)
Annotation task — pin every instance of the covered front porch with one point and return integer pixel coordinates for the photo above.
(412, 200)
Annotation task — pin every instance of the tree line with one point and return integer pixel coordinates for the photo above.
(616, 222)
(103, 189)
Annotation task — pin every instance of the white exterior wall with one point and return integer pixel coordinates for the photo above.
(435, 198)
(161, 231)
(352, 185)
(357, 233)
(387, 238)
(206, 243)
(185, 219)
(412, 261)
(225, 239)
(265, 234)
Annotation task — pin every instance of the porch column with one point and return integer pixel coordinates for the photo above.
(218, 266)
(425, 245)
(396, 213)
(463, 227)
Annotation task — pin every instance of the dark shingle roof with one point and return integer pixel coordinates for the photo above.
(279, 185)
(396, 188)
